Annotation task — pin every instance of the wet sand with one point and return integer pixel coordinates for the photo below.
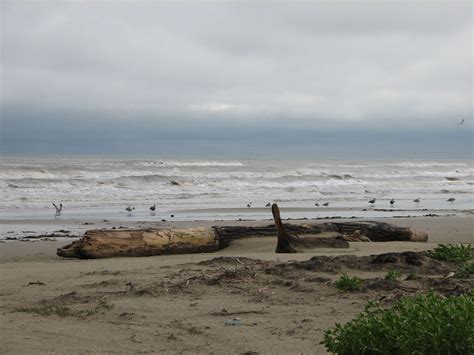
(179, 303)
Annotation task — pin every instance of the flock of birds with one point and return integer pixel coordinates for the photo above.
(372, 202)
(129, 209)
(152, 208)
(416, 200)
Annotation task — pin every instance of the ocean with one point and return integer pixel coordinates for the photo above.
(221, 189)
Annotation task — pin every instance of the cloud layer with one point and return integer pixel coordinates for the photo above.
(328, 65)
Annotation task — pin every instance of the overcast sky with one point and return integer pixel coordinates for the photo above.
(320, 79)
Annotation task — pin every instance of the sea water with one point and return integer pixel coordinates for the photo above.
(203, 189)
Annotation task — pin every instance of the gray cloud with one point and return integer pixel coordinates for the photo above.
(374, 65)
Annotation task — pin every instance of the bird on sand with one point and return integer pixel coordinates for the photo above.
(462, 122)
(153, 209)
(129, 209)
(417, 200)
(392, 202)
(372, 201)
(268, 205)
(249, 204)
(451, 199)
(58, 209)
(317, 204)
(326, 204)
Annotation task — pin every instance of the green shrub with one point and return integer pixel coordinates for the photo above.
(425, 324)
(464, 270)
(349, 283)
(452, 252)
(393, 274)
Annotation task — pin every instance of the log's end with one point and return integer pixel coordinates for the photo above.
(64, 252)
(67, 251)
(419, 237)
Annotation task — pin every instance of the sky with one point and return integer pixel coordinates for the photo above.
(312, 79)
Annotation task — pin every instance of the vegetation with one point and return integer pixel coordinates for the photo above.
(464, 270)
(349, 283)
(452, 252)
(393, 274)
(425, 324)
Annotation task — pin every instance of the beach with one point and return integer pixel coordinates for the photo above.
(236, 177)
(179, 303)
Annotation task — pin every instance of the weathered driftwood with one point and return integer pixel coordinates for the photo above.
(285, 241)
(288, 243)
(369, 230)
(147, 242)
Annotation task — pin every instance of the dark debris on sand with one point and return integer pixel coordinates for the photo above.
(259, 281)
(404, 261)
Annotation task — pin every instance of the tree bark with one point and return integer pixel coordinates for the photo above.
(142, 242)
(368, 230)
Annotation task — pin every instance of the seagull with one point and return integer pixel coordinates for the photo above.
(317, 204)
(462, 122)
(392, 202)
(129, 209)
(451, 199)
(326, 204)
(372, 201)
(58, 209)
(417, 200)
(268, 205)
(249, 204)
(152, 209)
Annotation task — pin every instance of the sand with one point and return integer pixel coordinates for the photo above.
(179, 303)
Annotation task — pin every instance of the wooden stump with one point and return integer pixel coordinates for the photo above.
(289, 243)
(285, 241)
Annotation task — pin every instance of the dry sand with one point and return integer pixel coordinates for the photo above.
(179, 303)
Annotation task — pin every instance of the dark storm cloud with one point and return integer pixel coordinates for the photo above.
(192, 71)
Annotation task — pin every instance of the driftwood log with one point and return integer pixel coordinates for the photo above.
(141, 242)
(373, 231)
(146, 242)
(290, 244)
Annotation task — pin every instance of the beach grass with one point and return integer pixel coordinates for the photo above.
(349, 283)
(452, 252)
